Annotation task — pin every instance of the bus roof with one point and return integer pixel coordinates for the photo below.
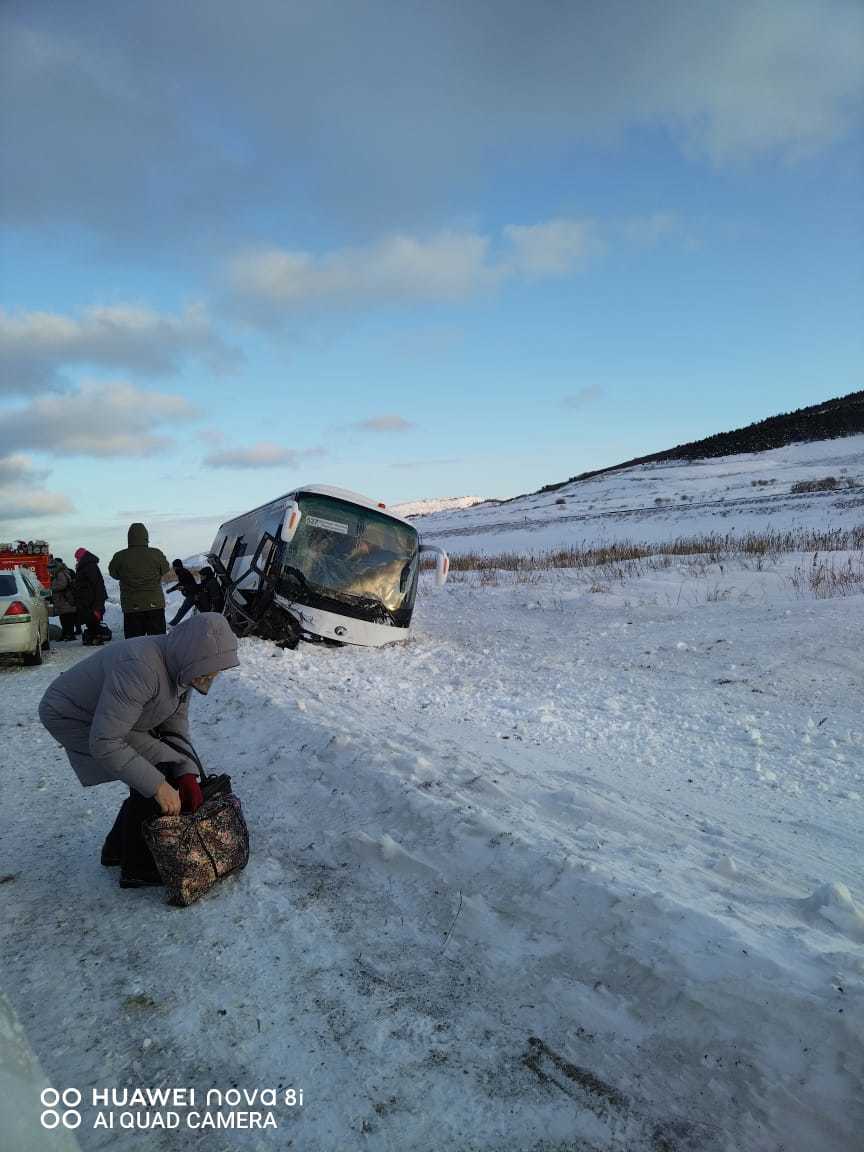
(326, 490)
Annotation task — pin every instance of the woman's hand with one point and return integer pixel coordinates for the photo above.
(168, 799)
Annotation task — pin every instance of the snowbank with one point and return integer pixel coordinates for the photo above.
(23, 1088)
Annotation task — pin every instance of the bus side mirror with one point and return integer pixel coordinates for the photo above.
(442, 568)
(291, 523)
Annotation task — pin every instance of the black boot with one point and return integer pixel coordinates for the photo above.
(151, 881)
(112, 849)
(138, 868)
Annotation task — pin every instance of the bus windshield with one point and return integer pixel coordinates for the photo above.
(351, 554)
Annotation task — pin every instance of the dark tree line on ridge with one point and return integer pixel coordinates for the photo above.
(842, 416)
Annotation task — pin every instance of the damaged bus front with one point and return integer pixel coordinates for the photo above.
(321, 563)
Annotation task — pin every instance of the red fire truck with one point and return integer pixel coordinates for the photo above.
(27, 554)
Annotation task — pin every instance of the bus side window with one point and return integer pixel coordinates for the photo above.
(236, 552)
(264, 553)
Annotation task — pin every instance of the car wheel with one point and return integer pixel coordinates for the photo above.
(35, 657)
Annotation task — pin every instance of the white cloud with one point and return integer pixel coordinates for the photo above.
(21, 493)
(264, 454)
(35, 347)
(389, 422)
(19, 468)
(767, 76)
(552, 249)
(100, 420)
(397, 270)
(31, 504)
(449, 266)
(583, 397)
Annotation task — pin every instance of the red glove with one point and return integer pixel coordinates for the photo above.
(191, 796)
(98, 615)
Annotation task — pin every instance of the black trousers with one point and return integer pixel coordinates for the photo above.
(92, 626)
(188, 604)
(149, 623)
(125, 842)
(67, 623)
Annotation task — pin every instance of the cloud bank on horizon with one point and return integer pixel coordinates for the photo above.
(294, 231)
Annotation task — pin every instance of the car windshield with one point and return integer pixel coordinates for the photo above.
(8, 585)
(352, 553)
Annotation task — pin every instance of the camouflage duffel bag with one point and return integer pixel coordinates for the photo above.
(193, 852)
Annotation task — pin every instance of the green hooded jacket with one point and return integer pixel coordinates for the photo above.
(139, 569)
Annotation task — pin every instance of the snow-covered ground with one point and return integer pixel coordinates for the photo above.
(657, 502)
(578, 867)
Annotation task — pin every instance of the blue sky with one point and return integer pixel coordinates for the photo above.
(407, 249)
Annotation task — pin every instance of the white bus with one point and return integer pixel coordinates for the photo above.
(321, 563)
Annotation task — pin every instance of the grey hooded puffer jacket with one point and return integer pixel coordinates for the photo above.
(104, 710)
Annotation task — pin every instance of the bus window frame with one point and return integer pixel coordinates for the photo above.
(255, 564)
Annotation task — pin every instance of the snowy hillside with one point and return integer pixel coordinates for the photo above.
(659, 502)
(578, 867)
(442, 504)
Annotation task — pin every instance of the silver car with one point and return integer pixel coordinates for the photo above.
(23, 615)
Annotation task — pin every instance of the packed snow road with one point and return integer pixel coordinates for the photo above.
(569, 870)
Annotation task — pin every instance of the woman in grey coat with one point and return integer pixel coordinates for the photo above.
(115, 714)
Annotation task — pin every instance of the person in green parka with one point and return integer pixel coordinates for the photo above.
(139, 570)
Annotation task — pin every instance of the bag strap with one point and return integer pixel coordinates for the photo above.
(189, 752)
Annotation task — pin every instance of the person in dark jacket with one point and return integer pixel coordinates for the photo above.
(90, 596)
(139, 570)
(188, 585)
(210, 595)
(118, 714)
(63, 597)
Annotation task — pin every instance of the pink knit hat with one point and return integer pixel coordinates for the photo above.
(79, 552)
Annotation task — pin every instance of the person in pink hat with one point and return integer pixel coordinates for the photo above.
(90, 596)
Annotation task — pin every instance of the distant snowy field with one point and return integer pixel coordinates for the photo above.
(657, 502)
(577, 868)
(443, 504)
